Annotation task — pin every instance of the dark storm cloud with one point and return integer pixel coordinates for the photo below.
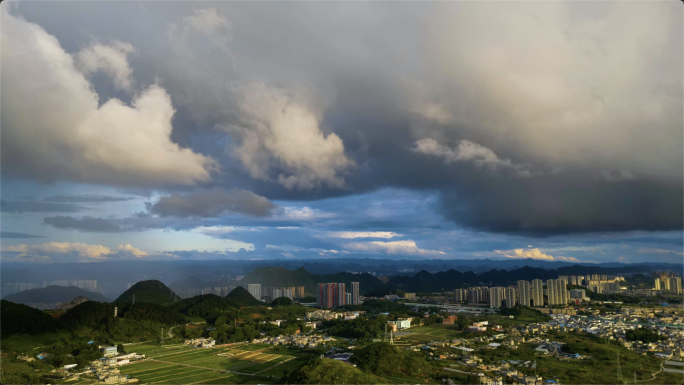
(212, 203)
(38, 207)
(83, 224)
(10, 235)
(512, 113)
(85, 199)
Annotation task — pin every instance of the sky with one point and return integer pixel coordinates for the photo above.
(413, 130)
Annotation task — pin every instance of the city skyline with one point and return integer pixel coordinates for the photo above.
(183, 131)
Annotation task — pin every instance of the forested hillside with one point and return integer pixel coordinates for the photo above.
(151, 291)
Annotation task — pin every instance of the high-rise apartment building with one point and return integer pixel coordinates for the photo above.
(578, 294)
(496, 295)
(675, 285)
(557, 291)
(299, 292)
(551, 293)
(510, 296)
(331, 295)
(657, 283)
(524, 295)
(348, 298)
(255, 290)
(537, 293)
(460, 295)
(340, 294)
(355, 293)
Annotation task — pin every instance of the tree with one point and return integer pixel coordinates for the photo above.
(462, 322)
(220, 321)
(120, 349)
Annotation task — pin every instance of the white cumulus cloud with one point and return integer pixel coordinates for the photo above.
(111, 59)
(280, 134)
(406, 247)
(81, 249)
(533, 254)
(55, 129)
(128, 249)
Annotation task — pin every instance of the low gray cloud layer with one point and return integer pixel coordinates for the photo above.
(38, 207)
(85, 199)
(212, 203)
(15, 235)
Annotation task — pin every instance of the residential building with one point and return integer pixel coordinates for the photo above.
(657, 283)
(348, 298)
(108, 350)
(332, 295)
(578, 294)
(410, 296)
(340, 291)
(537, 293)
(355, 293)
(496, 297)
(299, 292)
(460, 295)
(675, 285)
(524, 293)
(255, 290)
(510, 296)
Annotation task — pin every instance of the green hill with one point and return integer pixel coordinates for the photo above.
(208, 306)
(328, 371)
(383, 359)
(54, 294)
(21, 319)
(95, 315)
(151, 291)
(241, 297)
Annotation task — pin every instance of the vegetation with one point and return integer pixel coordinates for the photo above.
(327, 371)
(383, 359)
(282, 301)
(152, 291)
(208, 307)
(361, 328)
(21, 319)
(54, 294)
(524, 312)
(241, 297)
(643, 335)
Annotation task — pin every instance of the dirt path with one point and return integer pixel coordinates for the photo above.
(654, 374)
(279, 363)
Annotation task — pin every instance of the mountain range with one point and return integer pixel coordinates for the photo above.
(54, 294)
(421, 282)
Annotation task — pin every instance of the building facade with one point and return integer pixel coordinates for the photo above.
(355, 293)
(255, 290)
(537, 293)
(524, 296)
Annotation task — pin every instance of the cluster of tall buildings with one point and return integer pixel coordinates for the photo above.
(669, 284)
(524, 293)
(220, 291)
(330, 295)
(259, 292)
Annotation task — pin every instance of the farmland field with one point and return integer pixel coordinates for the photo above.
(176, 365)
